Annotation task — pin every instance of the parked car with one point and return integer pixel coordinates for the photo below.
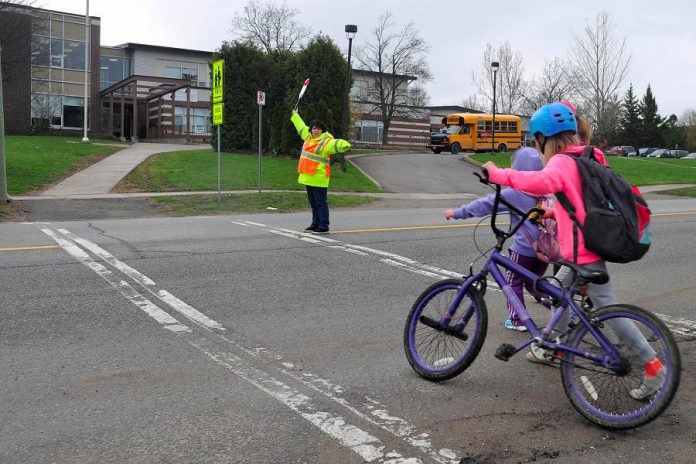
(690, 156)
(629, 151)
(645, 151)
(661, 153)
(665, 153)
(622, 150)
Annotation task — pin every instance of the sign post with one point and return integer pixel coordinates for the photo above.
(261, 100)
(217, 87)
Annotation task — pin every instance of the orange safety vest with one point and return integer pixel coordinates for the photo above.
(311, 156)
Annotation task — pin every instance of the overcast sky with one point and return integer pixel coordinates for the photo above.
(660, 35)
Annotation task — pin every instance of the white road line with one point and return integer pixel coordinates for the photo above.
(678, 325)
(368, 447)
(122, 286)
(175, 303)
(106, 256)
(370, 411)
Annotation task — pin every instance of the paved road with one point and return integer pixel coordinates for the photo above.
(422, 173)
(211, 339)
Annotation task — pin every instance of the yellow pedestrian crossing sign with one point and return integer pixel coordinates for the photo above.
(218, 67)
(217, 113)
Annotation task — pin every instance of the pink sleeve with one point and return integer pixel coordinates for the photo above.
(548, 180)
(599, 156)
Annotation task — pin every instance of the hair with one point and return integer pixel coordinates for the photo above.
(584, 131)
(319, 125)
(555, 144)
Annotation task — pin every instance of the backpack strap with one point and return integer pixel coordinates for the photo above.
(568, 206)
(587, 153)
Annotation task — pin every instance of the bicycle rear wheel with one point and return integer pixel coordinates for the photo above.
(603, 395)
(440, 354)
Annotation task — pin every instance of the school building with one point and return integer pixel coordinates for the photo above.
(144, 92)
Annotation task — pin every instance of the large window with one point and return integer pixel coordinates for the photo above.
(188, 71)
(112, 69)
(68, 54)
(368, 131)
(57, 111)
(200, 120)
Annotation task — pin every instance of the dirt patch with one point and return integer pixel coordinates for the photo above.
(70, 209)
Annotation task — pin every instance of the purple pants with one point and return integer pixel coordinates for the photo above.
(533, 264)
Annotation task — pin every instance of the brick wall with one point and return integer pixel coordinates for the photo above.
(15, 38)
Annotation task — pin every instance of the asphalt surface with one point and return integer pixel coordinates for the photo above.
(129, 337)
(306, 363)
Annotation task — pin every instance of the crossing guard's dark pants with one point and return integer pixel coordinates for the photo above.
(320, 206)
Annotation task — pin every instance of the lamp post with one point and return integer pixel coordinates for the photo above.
(85, 139)
(351, 30)
(495, 66)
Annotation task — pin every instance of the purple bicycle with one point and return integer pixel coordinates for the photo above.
(447, 326)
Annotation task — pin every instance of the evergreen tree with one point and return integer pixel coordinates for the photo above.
(673, 134)
(323, 63)
(630, 119)
(246, 72)
(650, 134)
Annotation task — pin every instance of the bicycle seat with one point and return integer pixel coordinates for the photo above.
(588, 275)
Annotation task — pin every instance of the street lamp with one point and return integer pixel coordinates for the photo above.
(495, 65)
(351, 30)
(85, 139)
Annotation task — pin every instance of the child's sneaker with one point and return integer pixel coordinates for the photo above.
(513, 326)
(653, 379)
(541, 356)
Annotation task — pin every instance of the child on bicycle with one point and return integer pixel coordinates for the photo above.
(554, 129)
(521, 251)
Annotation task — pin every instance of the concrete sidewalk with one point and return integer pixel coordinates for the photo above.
(101, 177)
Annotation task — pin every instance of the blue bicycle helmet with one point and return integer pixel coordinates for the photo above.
(552, 119)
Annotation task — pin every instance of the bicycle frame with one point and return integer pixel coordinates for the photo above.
(563, 297)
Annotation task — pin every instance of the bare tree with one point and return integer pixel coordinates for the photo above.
(270, 25)
(688, 121)
(396, 57)
(600, 64)
(555, 83)
(510, 85)
(418, 96)
(475, 102)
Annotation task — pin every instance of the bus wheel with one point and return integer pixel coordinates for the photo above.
(437, 151)
(455, 148)
(502, 148)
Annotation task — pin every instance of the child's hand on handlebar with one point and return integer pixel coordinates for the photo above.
(449, 214)
(487, 166)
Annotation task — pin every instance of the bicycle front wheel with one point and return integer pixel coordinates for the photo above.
(438, 353)
(622, 397)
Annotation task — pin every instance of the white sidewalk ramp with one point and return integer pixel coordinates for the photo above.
(104, 175)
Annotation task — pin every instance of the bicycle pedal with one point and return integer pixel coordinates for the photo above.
(505, 351)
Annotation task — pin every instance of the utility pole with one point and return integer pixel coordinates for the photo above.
(3, 170)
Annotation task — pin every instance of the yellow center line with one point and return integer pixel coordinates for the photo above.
(450, 226)
(38, 247)
(685, 213)
(390, 229)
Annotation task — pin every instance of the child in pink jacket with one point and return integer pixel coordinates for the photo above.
(554, 128)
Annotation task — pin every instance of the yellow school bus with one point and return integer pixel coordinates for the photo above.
(474, 131)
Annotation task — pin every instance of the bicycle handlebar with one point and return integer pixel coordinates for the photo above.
(534, 214)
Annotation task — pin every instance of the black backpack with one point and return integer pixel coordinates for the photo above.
(615, 225)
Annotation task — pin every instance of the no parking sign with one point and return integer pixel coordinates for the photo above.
(261, 98)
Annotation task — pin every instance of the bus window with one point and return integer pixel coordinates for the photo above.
(453, 129)
(466, 130)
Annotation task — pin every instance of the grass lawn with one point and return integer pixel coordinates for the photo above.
(683, 192)
(34, 162)
(196, 170)
(283, 202)
(638, 171)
